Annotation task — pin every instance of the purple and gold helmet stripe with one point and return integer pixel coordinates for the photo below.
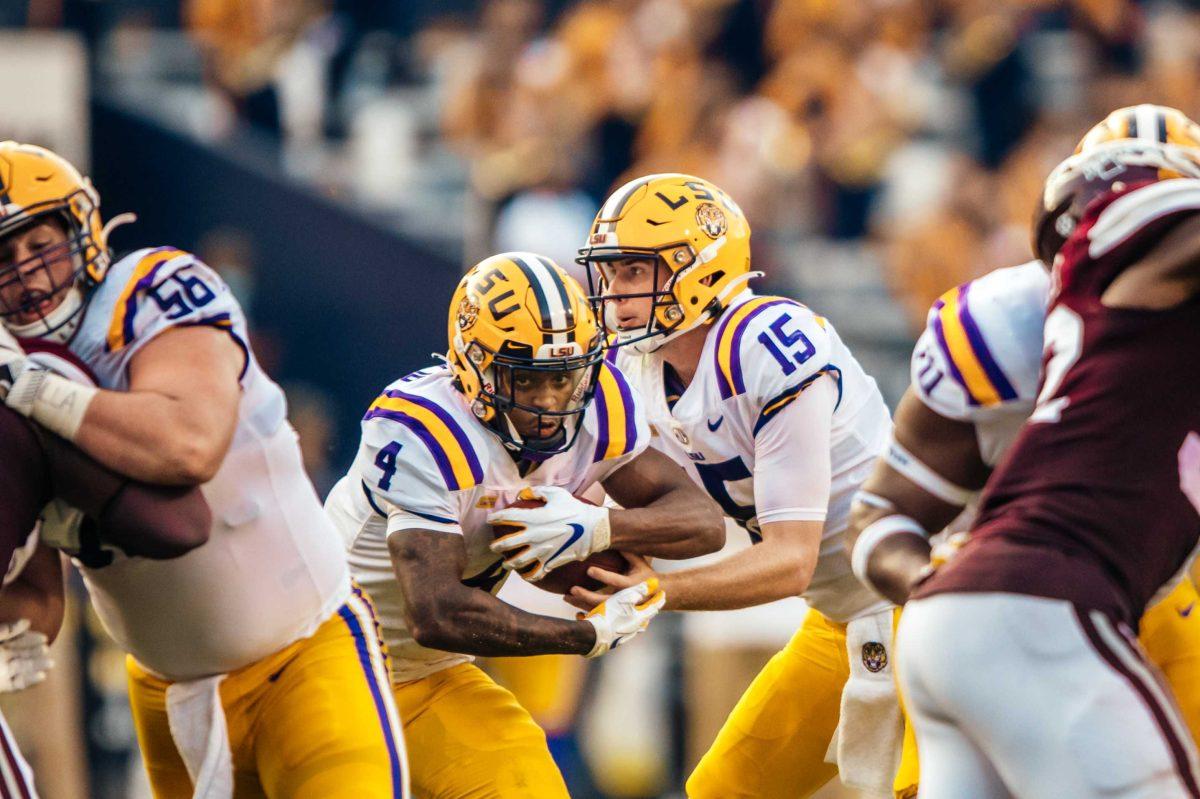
(445, 438)
(120, 330)
(730, 381)
(616, 431)
(971, 362)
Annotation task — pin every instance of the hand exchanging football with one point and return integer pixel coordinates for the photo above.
(562, 530)
(639, 571)
(624, 614)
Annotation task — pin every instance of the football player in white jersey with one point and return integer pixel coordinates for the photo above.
(975, 377)
(255, 665)
(765, 407)
(525, 407)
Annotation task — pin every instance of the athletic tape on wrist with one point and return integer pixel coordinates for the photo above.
(602, 531)
(911, 467)
(59, 404)
(873, 535)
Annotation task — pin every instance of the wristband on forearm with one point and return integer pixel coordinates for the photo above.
(873, 535)
(53, 401)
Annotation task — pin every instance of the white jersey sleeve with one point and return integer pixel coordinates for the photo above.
(770, 353)
(152, 291)
(982, 344)
(793, 465)
(413, 460)
(979, 358)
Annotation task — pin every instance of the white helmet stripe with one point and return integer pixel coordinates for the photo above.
(615, 203)
(1146, 117)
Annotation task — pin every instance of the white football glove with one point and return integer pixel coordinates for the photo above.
(625, 614)
(12, 360)
(563, 530)
(24, 657)
(1189, 468)
(61, 525)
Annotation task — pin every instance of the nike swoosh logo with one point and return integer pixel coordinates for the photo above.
(655, 224)
(577, 530)
(1186, 610)
(712, 426)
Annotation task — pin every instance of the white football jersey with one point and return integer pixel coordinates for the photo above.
(426, 462)
(757, 358)
(273, 568)
(979, 358)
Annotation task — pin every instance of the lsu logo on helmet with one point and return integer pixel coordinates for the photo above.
(698, 239)
(513, 316)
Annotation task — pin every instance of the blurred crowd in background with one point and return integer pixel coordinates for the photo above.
(914, 131)
(883, 150)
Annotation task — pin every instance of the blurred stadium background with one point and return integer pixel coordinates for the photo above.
(339, 162)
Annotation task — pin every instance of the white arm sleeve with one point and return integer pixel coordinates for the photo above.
(792, 468)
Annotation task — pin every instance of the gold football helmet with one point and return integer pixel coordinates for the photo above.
(36, 183)
(695, 234)
(514, 315)
(1149, 123)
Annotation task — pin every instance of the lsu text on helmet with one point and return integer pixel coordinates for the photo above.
(518, 317)
(698, 239)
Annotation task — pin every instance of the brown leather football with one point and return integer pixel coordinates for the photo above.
(565, 577)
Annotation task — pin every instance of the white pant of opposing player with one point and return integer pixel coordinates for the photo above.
(16, 777)
(1021, 696)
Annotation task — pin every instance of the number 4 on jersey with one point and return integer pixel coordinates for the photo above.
(386, 461)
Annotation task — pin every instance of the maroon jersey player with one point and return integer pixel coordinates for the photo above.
(148, 521)
(1017, 658)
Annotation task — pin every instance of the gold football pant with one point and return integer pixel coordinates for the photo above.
(1170, 634)
(313, 721)
(468, 738)
(774, 742)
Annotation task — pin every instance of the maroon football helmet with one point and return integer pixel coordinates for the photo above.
(1083, 177)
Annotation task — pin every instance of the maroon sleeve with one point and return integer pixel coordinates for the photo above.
(24, 483)
(142, 520)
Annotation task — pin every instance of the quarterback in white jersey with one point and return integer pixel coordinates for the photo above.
(976, 371)
(259, 625)
(766, 408)
(525, 408)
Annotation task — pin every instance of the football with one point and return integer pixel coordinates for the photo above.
(565, 577)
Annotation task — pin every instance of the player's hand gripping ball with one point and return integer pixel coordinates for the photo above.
(551, 538)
